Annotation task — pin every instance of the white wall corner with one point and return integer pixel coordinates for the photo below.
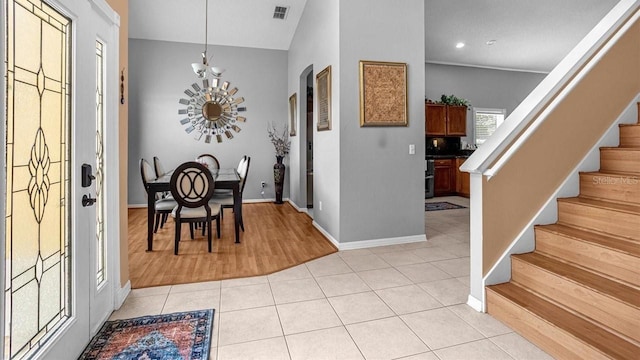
(121, 295)
(299, 209)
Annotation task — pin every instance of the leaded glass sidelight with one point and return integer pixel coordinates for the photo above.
(37, 292)
(100, 245)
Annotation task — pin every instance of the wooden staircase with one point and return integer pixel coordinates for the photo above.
(577, 296)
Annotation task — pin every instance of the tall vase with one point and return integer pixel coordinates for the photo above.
(278, 178)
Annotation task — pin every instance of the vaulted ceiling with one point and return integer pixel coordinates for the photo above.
(529, 35)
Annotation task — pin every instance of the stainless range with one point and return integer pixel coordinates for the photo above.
(428, 178)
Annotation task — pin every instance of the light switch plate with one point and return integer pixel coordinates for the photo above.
(412, 149)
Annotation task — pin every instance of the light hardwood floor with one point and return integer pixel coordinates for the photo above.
(276, 237)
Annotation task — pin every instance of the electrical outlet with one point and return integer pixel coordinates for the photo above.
(320, 205)
(263, 184)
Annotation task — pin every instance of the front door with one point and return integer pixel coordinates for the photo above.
(58, 281)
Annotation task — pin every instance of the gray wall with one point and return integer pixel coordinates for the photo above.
(159, 73)
(382, 186)
(484, 88)
(315, 44)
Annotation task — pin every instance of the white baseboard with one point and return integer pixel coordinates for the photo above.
(326, 234)
(122, 294)
(363, 244)
(137, 206)
(475, 304)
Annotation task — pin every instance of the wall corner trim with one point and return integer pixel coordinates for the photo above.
(299, 209)
(121, 294)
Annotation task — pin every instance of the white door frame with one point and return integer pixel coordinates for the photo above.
(3, 173)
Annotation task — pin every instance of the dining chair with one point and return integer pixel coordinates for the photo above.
(164, 206)
(192, 186)
(157, 165)
(226, 200)
(209, 160)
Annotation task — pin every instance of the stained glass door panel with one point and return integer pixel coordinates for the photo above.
(37, 224)
(47, 232)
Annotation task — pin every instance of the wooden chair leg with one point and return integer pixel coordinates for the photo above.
(156, 223)
(242, 224)
(191, 230)
(177, 237)
(208, 225)
(204, 225)
(165, 216)
(218, 227)
(221, 212)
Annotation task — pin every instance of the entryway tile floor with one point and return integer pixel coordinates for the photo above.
(391, 302)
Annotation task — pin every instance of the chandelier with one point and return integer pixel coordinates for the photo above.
(211, 109)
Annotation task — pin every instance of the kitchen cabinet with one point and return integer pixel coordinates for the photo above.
(445, 120)
(444, 177)
(462, 179)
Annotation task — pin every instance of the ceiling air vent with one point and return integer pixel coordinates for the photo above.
(280, 12)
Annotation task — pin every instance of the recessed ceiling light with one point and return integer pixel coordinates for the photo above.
(490, 42)
(459, 45)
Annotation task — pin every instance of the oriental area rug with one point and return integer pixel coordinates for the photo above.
(184, 335)
(442, 205)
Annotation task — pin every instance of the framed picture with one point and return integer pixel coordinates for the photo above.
(323, 89)
(293, 107)
(383, 93)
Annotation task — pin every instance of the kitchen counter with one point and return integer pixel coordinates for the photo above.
(451, 156)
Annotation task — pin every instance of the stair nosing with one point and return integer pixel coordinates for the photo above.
(547, 228)
(610, 205)
(597, 289)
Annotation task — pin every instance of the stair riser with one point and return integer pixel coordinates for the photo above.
(611, 187)
(604, 260)
(581, 299)
(621, 161)
(555, 341)
(617, 223)
(630, 136)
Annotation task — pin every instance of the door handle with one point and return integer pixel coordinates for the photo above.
(87, 177)
(88, 200)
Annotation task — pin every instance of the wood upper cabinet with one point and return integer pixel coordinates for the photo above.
(444, 177)
(435, 119)
(457, 120)
(445, 120)
(462, 179)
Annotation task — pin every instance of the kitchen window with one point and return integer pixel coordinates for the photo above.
(486, 121)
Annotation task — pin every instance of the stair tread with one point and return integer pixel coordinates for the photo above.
(629, 208)
(623, 125)
(598, 238)
(607, 173)
(580, 328)
(603, 285)
(619, 148)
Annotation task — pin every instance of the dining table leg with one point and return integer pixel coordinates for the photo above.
(151, 209)
(237, 211)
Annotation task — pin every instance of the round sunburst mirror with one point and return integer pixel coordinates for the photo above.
(212, 110)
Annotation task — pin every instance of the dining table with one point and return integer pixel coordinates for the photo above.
(223, 179)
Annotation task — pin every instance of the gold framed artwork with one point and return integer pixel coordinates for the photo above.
(323, 97)
(383, 93)
(293, 107)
